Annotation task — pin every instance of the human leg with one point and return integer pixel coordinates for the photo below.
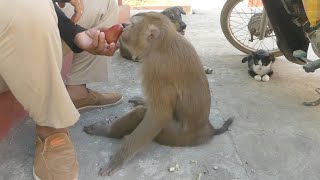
(87, 68)
(30, 63)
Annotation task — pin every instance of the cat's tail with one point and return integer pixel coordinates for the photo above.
(224, 127)
(245, 59)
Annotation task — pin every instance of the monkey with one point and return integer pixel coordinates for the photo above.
(177, 99)
(174, 14)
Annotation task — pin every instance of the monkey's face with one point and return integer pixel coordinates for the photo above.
(144, 33)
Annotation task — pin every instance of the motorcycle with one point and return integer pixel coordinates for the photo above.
(282, 27)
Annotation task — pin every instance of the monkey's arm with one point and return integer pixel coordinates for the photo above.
(150, 126)
(159, 113)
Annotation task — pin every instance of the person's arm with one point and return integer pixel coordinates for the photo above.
(78, 8)
(78, 38)
(68, 30)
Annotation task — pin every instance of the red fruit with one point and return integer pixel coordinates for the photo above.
(113, 33)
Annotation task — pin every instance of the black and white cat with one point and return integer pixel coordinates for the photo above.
(260, 65)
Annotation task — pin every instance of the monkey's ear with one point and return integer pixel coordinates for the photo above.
(154, 32)
(137, 18)
(181, 10)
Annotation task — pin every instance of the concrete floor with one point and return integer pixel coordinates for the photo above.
(273, 137)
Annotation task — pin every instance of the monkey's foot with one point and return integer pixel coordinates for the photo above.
(114, 165)
(98, 129)
(137, 101)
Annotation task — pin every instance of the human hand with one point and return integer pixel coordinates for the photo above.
(78, 9)
(93, 41)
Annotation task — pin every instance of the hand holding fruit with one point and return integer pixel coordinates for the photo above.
(96, 41)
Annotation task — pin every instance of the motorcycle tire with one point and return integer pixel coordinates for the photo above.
(224, 23)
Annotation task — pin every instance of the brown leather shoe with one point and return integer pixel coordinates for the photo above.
(55, 159)
(97, 100)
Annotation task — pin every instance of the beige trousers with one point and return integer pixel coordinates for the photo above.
(31, 58)
(87, 68)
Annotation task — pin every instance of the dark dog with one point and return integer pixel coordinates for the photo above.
(174, 14)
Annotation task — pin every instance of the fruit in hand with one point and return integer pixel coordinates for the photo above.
(113, 33)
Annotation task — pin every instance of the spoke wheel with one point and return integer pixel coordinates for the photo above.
(240, 23)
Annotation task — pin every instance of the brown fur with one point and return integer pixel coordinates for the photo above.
(176, 91)
(174, 14)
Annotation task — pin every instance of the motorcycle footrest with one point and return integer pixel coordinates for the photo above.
(312, 66)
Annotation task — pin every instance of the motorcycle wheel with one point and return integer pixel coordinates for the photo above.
(238, 24)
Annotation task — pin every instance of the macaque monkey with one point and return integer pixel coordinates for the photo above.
(177, 96)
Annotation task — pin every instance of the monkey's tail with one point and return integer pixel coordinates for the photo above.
(224, 127)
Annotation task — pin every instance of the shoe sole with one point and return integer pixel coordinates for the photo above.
(37, 178)
(87, 108)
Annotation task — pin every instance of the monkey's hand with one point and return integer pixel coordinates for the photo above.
(114, 165)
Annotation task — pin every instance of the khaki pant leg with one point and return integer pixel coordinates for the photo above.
(3, 85)
(30, 61)
(88, 68)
